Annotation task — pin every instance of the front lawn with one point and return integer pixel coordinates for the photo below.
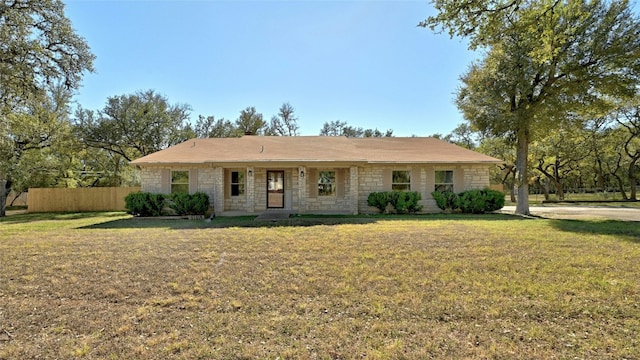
(105, 286)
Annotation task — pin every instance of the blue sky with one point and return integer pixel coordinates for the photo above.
(363, 62)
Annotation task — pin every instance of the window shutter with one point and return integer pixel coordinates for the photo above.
(416, 180)
(165, 181)
(227, 184)
(312, 182)
(340, 183)
(386, 180)
(458, 179)
(193, 181)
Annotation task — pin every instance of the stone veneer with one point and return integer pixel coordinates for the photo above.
(357, 183)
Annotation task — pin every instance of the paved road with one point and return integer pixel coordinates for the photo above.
(581, 212)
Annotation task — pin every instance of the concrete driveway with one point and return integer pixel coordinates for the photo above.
(581, 212)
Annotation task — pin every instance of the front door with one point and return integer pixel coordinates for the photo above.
(275, 189)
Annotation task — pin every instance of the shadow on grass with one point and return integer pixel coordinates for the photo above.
(627, 229)
(23, 218)
(294, 221)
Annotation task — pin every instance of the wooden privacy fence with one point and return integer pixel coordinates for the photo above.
(78, 199)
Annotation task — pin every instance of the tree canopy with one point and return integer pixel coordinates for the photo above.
(543, 63)
(341, 128)
(39, 51)
(134, 125)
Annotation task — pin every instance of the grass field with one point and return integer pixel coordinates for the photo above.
(105, 286)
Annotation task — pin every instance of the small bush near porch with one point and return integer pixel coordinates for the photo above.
(106, 286)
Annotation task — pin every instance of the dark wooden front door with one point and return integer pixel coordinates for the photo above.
(275, 189)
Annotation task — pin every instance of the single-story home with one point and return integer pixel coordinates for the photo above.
(311, 174)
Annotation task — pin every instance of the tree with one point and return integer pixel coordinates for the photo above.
(42, 153)
(209, 127)
(341, 128)
(558, 155)
(250, 122)
(629, 118)
(543, 61)
(504, 173)
(134, 125)
(38, 48)
(285, 123)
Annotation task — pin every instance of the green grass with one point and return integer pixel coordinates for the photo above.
(103, 285)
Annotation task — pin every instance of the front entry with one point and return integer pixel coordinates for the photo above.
(275, 189)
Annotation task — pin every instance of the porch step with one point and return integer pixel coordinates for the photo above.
(273, 216)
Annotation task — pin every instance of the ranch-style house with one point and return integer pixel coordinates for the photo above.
(311, 174)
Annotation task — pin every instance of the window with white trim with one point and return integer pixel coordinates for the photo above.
(444, 180)
(401, 180)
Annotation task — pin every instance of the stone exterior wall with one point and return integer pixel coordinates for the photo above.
(357, 182)
(206, 181)
(476, 177)
(151, 179)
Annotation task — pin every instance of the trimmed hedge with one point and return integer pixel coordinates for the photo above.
(470, 201)
(144, 204)
(402, 202)
(150, 204)
(189, 204)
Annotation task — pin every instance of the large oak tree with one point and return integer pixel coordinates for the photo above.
(542, 61)
(39, 49)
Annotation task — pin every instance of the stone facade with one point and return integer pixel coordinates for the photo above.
(355, 185)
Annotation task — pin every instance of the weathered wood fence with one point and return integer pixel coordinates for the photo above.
(78, 199)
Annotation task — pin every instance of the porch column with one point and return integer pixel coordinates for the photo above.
(302, 189)
(218, 189)
(353, 191)
(250, 192)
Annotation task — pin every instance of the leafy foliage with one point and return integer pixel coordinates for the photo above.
(189, 204)
(134, 125)
(473, 201)
(402, 202)
(341, 128)
(145, 204)
(543, 62)
(445, 200)
(39, 53)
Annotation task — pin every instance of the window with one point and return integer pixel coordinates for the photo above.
(444, 180)
(237, 183)
(326, 183)
(401, 180)
(180, 182)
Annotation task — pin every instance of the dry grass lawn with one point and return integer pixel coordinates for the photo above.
(105, 286)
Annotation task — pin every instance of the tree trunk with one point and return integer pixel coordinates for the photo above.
(3, 197)
(621, 186)
(522, 176)
(559, 191)
(545, 188)
(633, 180)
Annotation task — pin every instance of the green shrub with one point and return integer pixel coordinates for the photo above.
(446, 200)
(403, 202)
(144, 204)
(495, 200)
(379, 199)
(189, 204)
(470, 201)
